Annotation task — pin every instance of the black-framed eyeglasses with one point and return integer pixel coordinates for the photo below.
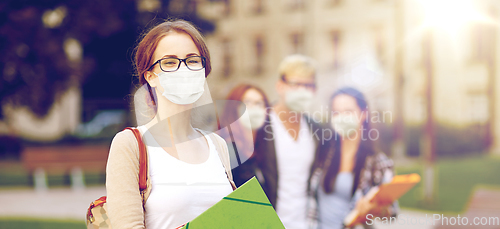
(311, 86)
(171, 64)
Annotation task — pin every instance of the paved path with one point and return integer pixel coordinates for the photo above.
(408, 219)
(64, 203)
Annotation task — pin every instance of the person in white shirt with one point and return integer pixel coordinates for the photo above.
(186, 171)
(287, 146)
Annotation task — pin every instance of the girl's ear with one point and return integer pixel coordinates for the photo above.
(150, 76)
(280, 87)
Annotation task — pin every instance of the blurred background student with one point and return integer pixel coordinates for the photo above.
(286, 147)
(242, 135)
(347, 170)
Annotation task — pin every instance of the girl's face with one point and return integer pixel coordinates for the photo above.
(174, 44)
(253, 98)
(347, 105)
(255, 108)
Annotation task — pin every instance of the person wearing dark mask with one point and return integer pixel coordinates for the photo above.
(287, 146)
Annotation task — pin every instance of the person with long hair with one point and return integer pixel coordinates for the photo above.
(348, 169)
(254, 104)
(188, 169)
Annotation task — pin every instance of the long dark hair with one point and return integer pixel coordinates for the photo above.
(366, 147)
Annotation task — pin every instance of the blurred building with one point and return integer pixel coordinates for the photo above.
(252, 37)
(378, 46)
(457, 50)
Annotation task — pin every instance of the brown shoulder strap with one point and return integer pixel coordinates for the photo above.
(224, 158)
(143, 165)
(223, 155)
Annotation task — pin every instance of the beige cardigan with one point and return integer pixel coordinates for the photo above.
(124, 200)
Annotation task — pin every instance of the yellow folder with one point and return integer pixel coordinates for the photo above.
(385, 193)
(246, 207)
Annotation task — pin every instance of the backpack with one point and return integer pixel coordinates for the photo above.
(97, 217)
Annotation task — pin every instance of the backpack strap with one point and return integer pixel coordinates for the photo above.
(143, 165)
(219, 143)
(221, 147)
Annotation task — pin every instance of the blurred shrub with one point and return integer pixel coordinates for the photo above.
(412, 139)
(450, 141)
(385, 139)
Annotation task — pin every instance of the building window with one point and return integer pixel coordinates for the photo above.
(259, 55)
(478, 108)
(257, 7)
(227, 8)
(379, 45)
(297, 40)
(333, 3)
(481, 42)
(176, 7)
(419, 109)
(296, 4)
(227, 58)
(336, 49)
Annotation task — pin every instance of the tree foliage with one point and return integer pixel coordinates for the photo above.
(34, 68)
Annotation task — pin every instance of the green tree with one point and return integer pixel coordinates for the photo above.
(34, 67)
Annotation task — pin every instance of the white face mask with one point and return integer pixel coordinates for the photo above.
(345, 125)
(182, 86)
(298, 100)
(257, 117)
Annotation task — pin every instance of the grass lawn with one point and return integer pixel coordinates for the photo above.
(30, 223)
(455, 182)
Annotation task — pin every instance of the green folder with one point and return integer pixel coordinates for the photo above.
(245, 207)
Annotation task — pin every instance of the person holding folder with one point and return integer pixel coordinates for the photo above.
(188, 170)
(346, 171)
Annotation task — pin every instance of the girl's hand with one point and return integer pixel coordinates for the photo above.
(365, 207)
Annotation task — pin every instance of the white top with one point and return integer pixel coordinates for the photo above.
(294, 160)
(181, 191)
